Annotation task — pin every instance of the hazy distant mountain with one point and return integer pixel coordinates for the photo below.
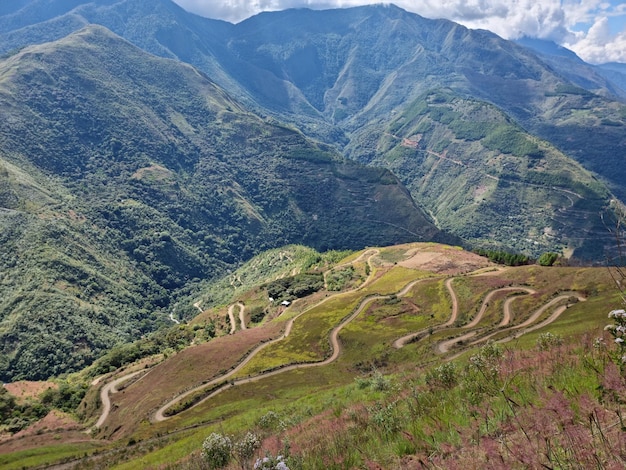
(591, 77)
(126, 178)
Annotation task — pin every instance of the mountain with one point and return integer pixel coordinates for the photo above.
(114, 160)
(126, 179)
(591, 77)
(344, 77)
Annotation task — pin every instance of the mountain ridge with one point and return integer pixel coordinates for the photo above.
(145, 160)
(492, 143)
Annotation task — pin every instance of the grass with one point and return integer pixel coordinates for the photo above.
(45, 455)
(376, 405)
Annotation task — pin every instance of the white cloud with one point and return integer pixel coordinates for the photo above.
(599, 45)
(585, 26)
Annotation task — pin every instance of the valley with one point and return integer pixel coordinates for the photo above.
(286, 234)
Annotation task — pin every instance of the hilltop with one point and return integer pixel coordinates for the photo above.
(347, 77)
(399, 330)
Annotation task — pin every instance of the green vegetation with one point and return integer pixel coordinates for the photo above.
(388, 395)
(502, 257)
(486, 179)
(548, 259)
(125, 201)
(294, 287)
(125, 195)
(513, 141)
(16, 415)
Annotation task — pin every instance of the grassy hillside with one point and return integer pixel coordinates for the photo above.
(428, 329)
(128, 179)
(472, 167)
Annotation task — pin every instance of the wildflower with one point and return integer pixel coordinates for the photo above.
(620, 313)
(245, 448)
(271, 463)
(216, 450)
(609, 328)
(619, 340)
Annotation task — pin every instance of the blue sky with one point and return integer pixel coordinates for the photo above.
(594, 29)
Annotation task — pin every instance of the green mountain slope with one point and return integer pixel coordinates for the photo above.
(130, 178)
(344, 75)
(472, 167)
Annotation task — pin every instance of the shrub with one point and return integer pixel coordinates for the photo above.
(271, 463)
(547, 341)
(444, 376)
(216, 450)
(618, 330)
(548, 259)
(269, 421)
(245, 448)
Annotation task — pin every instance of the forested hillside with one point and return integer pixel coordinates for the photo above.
(127, 179)
(346, 76)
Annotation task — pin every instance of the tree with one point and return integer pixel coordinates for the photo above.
(548, 259)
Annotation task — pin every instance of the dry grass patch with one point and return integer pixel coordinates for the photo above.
(183, 371)
(25, 389)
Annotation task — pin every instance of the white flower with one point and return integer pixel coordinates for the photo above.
(619, 340)
(609, 327)
(620, 313)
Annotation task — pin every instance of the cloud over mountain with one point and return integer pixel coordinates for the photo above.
(595, 30)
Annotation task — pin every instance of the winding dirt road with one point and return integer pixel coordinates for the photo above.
(223, 383)
(160, 413)
(444, 346)
(401, 342)
(334, 341)
(242, 318)
(231, 315)
(109, 389)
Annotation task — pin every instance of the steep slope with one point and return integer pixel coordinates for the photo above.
(158, 26)
(470, 165)
(344, 75)
(146, 178)
(593, 78)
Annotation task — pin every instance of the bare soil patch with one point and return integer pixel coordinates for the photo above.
(55, 427)
(444, 260)
(185, 370)
(28, 389)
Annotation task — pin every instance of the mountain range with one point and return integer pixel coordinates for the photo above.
(145, 150)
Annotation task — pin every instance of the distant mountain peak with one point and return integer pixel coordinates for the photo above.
(548, 47)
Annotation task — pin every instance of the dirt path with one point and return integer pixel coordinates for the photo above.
(401, 342)
(507, 311)
(242, 318)
(334, 341)
(231, 315)
(445, 346)
(529, 324)
(109, 389)
(556, 314)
